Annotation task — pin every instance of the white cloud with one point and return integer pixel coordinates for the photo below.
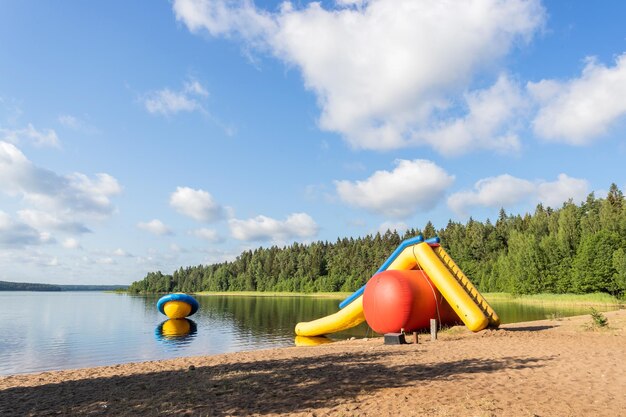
(155, 226)
(381, 69)
(581, 110)
(60, 202)
(554, 193)
(47, 137)
(15, 235)
(47, 221)
(357, 3)
(207, 234)
(225, 18)
(400, 227)
(74, 123)
(121, 253)
(70, 243)
(490, 122)
(297, 225)
(501, 191)
(194, 87)
(168, 102)
(507, 191)
(197, 204)
(75, 192)
(69, 121)
(410, 187)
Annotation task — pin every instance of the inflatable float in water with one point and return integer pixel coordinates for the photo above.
(177, 306)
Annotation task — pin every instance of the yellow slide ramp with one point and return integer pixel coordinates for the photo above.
(352, 315)
(455, 287)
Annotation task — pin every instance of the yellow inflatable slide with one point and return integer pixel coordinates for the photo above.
(429, 256)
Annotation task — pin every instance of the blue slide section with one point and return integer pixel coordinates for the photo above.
(409, 242)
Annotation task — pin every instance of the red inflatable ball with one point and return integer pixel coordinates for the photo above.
(395, 300)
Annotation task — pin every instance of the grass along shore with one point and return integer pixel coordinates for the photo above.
(564, 299)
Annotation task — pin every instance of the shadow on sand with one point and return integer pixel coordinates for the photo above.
(261, 387)
(529, 328)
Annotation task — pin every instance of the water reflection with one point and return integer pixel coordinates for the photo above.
(176, 331)
(311, 341)
(269, 319)
(74, 330)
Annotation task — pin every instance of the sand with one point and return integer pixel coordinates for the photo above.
(544, 368)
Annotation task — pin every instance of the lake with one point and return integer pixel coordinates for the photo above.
(60, 330)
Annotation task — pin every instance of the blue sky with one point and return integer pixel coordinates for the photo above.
(143, 136)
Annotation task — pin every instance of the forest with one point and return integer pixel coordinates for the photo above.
(577, 248)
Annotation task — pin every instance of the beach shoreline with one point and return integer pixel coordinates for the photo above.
(555, 367)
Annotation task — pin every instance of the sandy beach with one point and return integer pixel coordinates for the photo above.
(544, 368)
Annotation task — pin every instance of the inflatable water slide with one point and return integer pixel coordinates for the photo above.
(418, 282)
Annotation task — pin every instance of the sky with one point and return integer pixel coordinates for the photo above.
(149, 135)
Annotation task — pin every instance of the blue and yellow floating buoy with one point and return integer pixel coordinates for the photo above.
(177, 306)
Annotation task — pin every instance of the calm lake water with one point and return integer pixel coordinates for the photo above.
(61, 330)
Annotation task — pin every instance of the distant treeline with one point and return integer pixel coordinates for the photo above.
(573, 249)
(27, 286)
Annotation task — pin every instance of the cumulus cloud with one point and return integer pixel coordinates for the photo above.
(380, 69)
(502, 191)
(47, 221)
(60, 202)
(226, 18)
(554, 193)
(167, 102)
(410, 187)
(156, 227)
(47, 137)
(207, 234)
(580, 110)
(491, 121)
(197, 204)
(297, 225)
(506, 191)
(15, 234)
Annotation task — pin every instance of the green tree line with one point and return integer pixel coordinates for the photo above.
(578, 248)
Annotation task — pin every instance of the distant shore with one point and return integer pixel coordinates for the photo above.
(38, 287)
(563, 367)
(566, 299)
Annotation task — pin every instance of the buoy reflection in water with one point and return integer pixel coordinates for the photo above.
(176, 331)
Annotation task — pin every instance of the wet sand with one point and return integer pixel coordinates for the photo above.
(541, 368)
